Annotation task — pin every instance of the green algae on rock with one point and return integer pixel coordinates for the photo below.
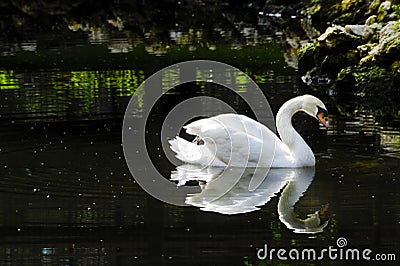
(363, 56)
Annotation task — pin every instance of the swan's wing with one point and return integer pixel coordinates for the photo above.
(256, 151)
(238, 140)
(244, 123)
(263, 141)
(192, 153)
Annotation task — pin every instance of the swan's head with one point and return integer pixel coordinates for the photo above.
(315, 108)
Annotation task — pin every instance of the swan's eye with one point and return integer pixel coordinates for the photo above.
(322, 111)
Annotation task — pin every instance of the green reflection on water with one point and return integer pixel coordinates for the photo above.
(54, 92)
(125, 82)
(241, 81)
(81, 93)
(170, 78)
(85, 86)
(8, 81)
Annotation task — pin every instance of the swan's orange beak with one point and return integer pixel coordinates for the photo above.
(322, 119)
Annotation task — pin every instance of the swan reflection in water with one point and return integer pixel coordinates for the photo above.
(230, 191)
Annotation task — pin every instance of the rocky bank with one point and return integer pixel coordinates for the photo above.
(359, 52)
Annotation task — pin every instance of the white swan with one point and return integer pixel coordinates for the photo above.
(236, 140)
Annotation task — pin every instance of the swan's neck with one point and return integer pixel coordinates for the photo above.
(299, 149)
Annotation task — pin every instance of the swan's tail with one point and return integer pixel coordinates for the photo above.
(185, 151)
(191, 152)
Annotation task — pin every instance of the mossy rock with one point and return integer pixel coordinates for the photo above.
(383, 11)
(388, 48)
(371, 20)
(361, 57)
(371, 75)
(373, 7)
(345, 79)
(314, 7)
(395, 67)
(396, 9)
(353, 57)
(369, 80)
(344, 19)
(306, 55)
(347, 5)
(306, 50)
(337, 39)
(342, 12)
(333, 63)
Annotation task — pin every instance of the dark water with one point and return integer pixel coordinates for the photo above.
(68, 198)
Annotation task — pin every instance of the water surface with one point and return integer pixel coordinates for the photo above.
(68, 198)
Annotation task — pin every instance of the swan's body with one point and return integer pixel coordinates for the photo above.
(236, 140)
